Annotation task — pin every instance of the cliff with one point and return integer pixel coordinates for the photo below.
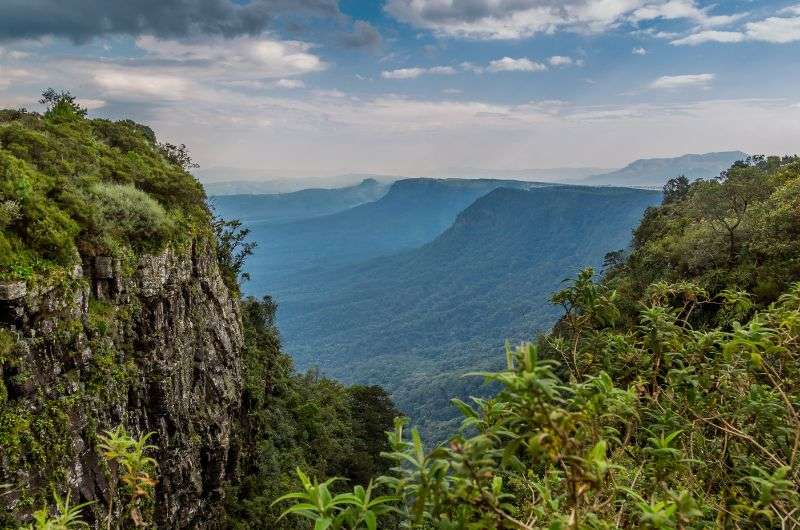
(116, 308)
(153, 344)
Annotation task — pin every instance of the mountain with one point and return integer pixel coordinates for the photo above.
(412, 213)
(303, 204)
(236, 181)
(654, 172)
(414, 321)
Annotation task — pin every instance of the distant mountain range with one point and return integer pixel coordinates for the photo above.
(303, 204)
(654, 172)
(426, 282)
(413, 286)
(415, 321)
(410, 214)
(233, 181)
(649, 172)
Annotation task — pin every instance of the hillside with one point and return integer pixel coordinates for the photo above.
(667, 395)
(410, 214)
(303, 204)
(410, 322)
(136, 388)
(654, 172)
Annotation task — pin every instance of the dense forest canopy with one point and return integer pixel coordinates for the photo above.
(668, 395)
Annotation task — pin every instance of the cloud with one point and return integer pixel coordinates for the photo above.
(683, 9)
(674, 82)
(413, 73)
(128, 85)
(560, 60)
(518, 19)
(240, 57)
(639, 51)
(364, 35)
(82, 20)
(523, 64)
(290, 83)
(709, 36)
(775, 30)
(9, 76)
(778, 30)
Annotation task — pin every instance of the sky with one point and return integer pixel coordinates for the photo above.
(416, 87)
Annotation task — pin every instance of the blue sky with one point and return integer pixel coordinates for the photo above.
(416, 86)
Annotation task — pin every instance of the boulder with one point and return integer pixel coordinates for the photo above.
(12, 290)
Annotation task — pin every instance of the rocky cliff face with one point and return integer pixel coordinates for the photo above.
(150, 342)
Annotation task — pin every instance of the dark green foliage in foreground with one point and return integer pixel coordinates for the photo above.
(69, 184)
(668, 396)
(291, 419)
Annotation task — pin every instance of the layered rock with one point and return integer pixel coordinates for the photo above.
(150, 342)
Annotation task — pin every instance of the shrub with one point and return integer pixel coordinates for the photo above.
(125, 214)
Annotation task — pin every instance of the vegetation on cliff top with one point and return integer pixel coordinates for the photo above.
(71, 185)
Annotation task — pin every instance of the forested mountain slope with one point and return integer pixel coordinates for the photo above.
(412, 213)
(667, 396)
(413, 321)
(303, 204)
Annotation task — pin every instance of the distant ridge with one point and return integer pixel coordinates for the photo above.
(303, 204)
(656, 171)
(416, 320)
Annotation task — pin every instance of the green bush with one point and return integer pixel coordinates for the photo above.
(124, 213)
(70, 185)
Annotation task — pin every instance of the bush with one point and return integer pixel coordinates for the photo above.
(123, 213)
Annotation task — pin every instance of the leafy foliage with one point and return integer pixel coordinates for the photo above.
(67, 517)
(70, 184)
(667, 396)
(292, 419)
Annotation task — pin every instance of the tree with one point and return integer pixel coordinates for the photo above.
(178, 155)
(724, 202)
(676, 189)
(61, 106)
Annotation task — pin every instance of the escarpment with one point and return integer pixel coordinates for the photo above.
(153, 344)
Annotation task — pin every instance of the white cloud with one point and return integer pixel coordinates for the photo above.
(290, 83)
(508, 64)
(778, 30)
(673, 82)
(9, 76)
(13, 55)
(709, 36)
(560, 60)
(126, 85)
(683, 9)
(90, 104)
(791, 10)
(639, 51)
(238, 57)
(413, 73)
(517, 19)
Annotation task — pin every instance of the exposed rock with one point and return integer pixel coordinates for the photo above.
(12, 290)
(176, 323)
(103, 267)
